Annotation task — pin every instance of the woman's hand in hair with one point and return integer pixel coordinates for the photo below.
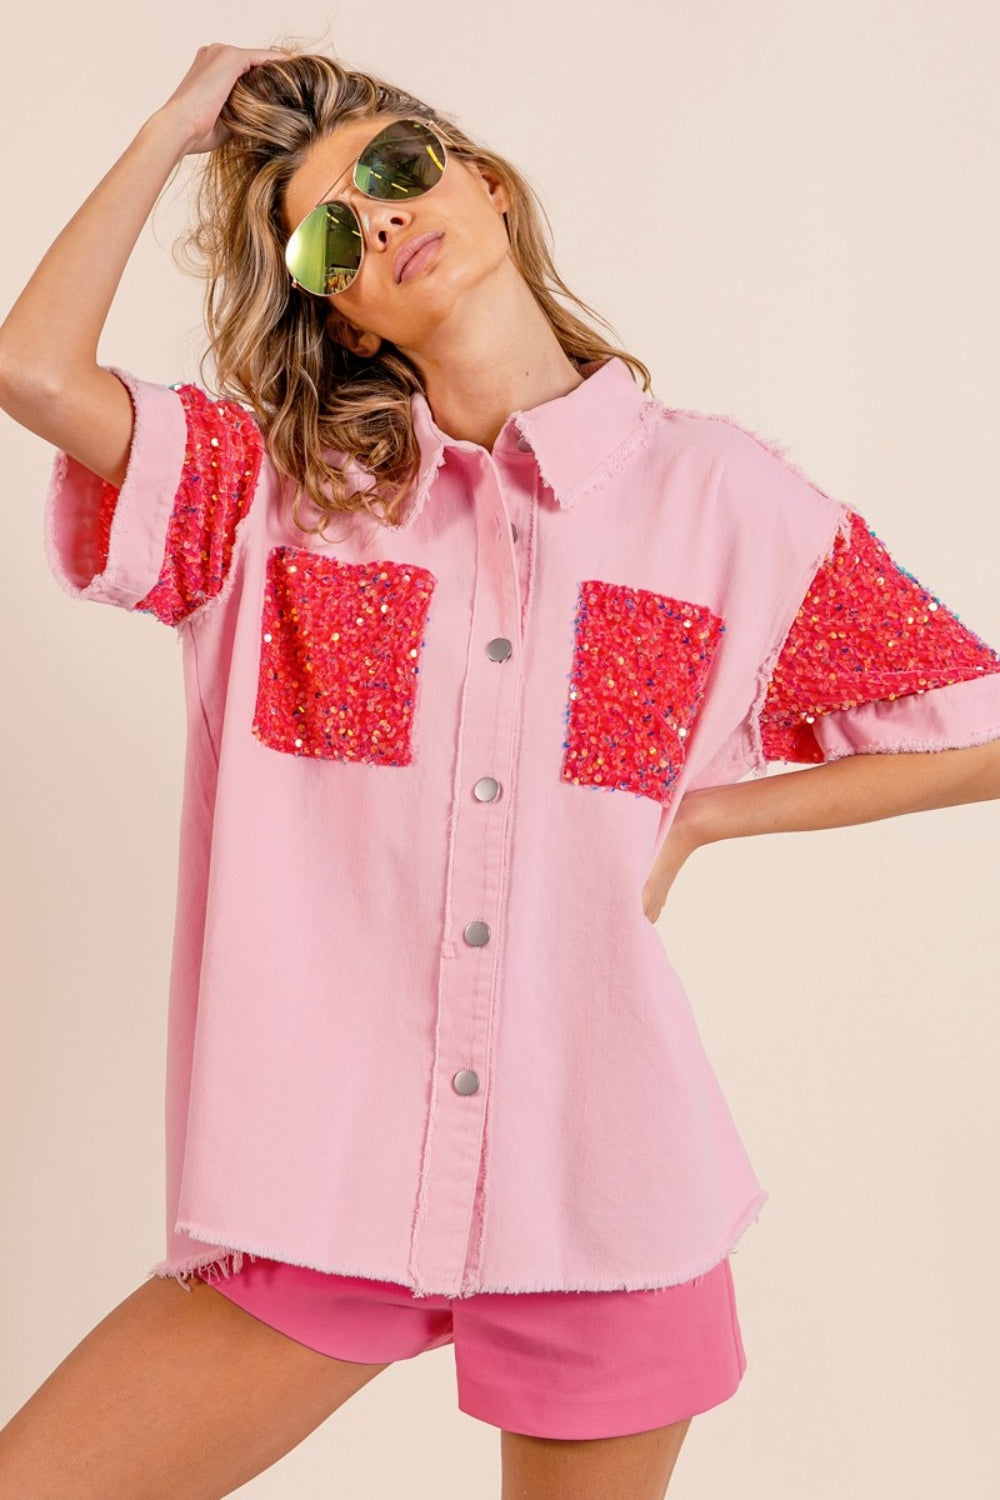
(206, 86)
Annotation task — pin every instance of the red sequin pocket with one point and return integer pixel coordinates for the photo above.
(339, 656)
(640, 661)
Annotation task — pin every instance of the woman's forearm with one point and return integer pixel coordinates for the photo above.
(855, 789)
(52, 330)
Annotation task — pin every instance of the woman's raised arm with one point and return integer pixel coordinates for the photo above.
(50, 380)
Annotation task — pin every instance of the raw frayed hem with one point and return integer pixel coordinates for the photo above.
(229, 1261)
(903, 747)
(695, 1271)
(227, 1264)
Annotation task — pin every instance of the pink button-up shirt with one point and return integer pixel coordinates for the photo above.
(420, 1028)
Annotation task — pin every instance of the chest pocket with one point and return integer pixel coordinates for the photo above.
(340, 656)
(640, 662)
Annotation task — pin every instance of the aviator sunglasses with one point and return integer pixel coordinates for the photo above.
(324, 253)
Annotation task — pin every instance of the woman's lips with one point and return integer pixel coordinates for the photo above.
(417, 261)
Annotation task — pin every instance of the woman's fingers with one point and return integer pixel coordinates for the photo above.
(206, 86)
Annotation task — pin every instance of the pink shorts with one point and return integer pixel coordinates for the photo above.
(549, 1364)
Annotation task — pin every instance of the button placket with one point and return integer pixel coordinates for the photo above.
(477, 880)
(521, 496)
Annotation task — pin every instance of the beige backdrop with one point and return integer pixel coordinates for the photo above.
(789, 211)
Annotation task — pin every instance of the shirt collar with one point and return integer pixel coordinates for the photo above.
(576, 439)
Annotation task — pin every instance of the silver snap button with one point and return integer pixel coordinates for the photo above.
(499, 648)
(486, 789)
(476, 934)
(466, 1082)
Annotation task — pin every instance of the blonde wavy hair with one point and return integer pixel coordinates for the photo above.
(270, 344)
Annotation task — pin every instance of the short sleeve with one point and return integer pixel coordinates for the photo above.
(163, 542)
(873, 661)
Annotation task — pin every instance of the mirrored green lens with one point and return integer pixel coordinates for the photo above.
(405, 160)
(324, 252)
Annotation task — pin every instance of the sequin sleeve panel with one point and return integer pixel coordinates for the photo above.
(874, 661)
(163, 542)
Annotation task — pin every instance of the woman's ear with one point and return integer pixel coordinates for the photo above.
(493, 185)
(359, 341)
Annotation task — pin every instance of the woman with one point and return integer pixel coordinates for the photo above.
(431, 1078)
